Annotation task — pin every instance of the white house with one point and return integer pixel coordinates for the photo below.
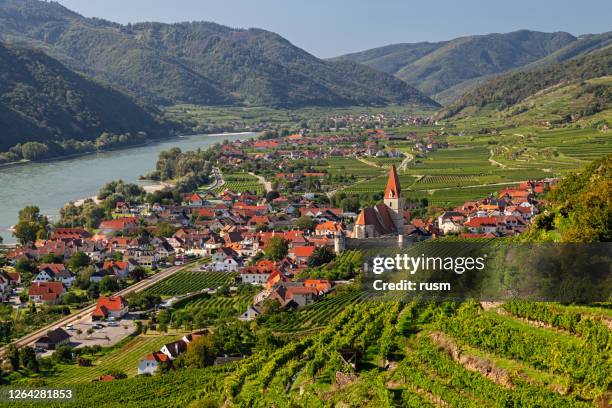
(151, 362)
(54, 273)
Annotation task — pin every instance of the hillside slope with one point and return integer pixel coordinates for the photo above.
(199, 63)
(41, 100)
(509, 89)
(445, 70)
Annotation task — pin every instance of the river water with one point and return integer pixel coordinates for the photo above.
(50, 185)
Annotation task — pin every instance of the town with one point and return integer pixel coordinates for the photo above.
(242, 228)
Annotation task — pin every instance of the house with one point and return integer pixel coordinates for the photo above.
(174, 349)
(53, 339)
(321, 285)
(111, 306)
(289, 295)
(225, 260)
(450, 222)
(258, 273)
(125, 225)
(151, 362)
(250, 314)
(301, 253)
(328, 228)
(195, 201)
(46, 292)
(120, 269)
(54, 272)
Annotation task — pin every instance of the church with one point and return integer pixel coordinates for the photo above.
(386, 218)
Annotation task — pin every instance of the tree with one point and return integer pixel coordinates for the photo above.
(34, 151)
(305, 223)
(63, 354)
(276, 249)
(108, 284)
(12, 355)
(52, 258)
(25, 266)
(79, 260)
(31, 225)
(27, 358)
(138, 274)
(165, 230)
(271, 195)
(321, 256)
(201, 353)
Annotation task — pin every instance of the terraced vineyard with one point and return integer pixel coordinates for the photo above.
(318, 314)
(184, 282)
(241, 182)
(392, 354)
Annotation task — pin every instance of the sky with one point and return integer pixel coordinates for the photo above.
(328, 28)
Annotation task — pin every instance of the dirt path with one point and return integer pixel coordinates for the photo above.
(262, 180)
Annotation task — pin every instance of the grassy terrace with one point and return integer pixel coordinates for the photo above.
(124, 359)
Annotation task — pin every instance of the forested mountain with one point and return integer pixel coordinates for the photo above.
(200, 62)
(42, 100)
(509, 89)
(445, 70)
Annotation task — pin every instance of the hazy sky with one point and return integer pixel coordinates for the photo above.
(332, 27)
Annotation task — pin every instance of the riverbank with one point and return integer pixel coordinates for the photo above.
(149, 142)
(148, 189)
(51, 184)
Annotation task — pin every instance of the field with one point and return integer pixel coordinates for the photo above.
(241, 182)
(349, 167)
(184, 282)
(124, 359)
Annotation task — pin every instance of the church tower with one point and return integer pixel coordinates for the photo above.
(394, 200)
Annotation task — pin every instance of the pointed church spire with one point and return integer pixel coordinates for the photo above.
(393, 189)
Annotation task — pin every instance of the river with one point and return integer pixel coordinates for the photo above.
(50, 185)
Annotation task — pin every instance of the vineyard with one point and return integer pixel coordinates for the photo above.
(203, 309)
(241, 182)
(184, 282)
(125, 359)
(391, 354)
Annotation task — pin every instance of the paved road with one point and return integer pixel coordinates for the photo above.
(217, 180)
(137, 287)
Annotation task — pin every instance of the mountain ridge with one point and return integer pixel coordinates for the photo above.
(445, 70)
(42, 100)
(198, 62)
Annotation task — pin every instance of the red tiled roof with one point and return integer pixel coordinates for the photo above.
(393, 189)
(303, 251)
(110, 303)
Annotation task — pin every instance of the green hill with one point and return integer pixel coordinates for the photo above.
(199, 63)
(509, 89)
(42, 100)
(445, 70)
